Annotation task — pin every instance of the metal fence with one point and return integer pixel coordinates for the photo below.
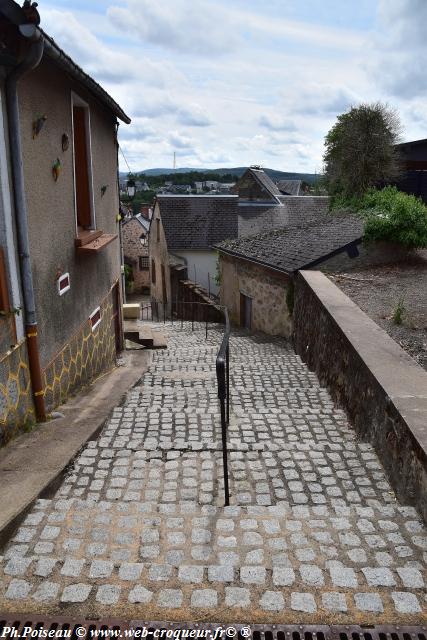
(207, 314)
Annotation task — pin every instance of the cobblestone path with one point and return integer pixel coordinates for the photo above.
(138, 529)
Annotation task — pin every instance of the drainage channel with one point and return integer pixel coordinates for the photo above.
(29, 626)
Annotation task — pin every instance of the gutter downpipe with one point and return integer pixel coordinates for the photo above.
(30, 62)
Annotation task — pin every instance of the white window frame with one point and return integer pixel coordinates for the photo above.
(77, 101)
(65, 276)
(97, 310)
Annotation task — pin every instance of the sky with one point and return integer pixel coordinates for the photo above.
(226, 83)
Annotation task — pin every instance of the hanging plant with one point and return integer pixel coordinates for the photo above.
(56, 169)
(38, 125)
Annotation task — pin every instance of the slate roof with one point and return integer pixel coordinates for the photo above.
(289, 187)
(265, 181)
(296, 248)
(145, 224)
(198, 222)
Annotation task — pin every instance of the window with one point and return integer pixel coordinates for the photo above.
(143, 263)
(89, 239)
(82, 165)
(95, 318)
(63, 283)
(153, 272)
(158, 229)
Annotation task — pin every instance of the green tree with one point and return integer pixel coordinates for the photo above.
(360, 151)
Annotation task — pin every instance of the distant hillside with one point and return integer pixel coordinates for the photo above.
(273, 173)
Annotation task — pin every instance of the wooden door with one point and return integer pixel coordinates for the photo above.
(245, 311)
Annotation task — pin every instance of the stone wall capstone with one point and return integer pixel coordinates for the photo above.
(382, 389)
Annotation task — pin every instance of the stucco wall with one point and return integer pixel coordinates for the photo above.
(52, 220)
(158, 251)
(133, 250)
(87, 354)
(266, 288)
(381, 387)
(7, 228)
(199, 265)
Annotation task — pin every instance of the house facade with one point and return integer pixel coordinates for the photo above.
(256, 272)
(192, 224)
(59, 219)
(135, 251)
(159, 262)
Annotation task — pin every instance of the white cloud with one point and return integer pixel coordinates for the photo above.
(196, 29)
(179, 141)
(400, 52)
(323, 99)
(274, 123)
(95, 57)
(190, 114)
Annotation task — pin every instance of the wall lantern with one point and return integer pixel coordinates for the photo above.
(130, 189)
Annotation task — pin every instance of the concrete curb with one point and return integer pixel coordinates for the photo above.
(32, 465)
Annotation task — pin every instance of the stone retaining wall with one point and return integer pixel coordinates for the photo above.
(204, 307)
(382, 389)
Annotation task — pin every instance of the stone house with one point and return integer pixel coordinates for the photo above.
(135, 250)
(257, 272)
(191, 225)
(159, 262)
(263, 205)
(59, 208)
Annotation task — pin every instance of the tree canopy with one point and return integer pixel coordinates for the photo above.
(360, 151)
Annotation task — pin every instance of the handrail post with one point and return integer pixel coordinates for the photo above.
(206, 319)
(192, 316)
(227, 378)
(224, 453)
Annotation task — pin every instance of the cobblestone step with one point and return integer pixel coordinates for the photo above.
(314, 531)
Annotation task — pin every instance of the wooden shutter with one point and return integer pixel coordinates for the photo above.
(4, 291)
(81, 168)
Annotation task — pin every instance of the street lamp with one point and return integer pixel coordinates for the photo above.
(130, 189)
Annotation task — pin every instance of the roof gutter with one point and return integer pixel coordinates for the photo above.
(30, 62)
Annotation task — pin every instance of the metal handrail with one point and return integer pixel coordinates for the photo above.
(223, 380)
(222, 366)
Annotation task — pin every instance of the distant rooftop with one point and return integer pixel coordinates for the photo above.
(197, 222)
(289, 187)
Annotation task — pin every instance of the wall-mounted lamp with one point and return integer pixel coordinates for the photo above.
(130, 189)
